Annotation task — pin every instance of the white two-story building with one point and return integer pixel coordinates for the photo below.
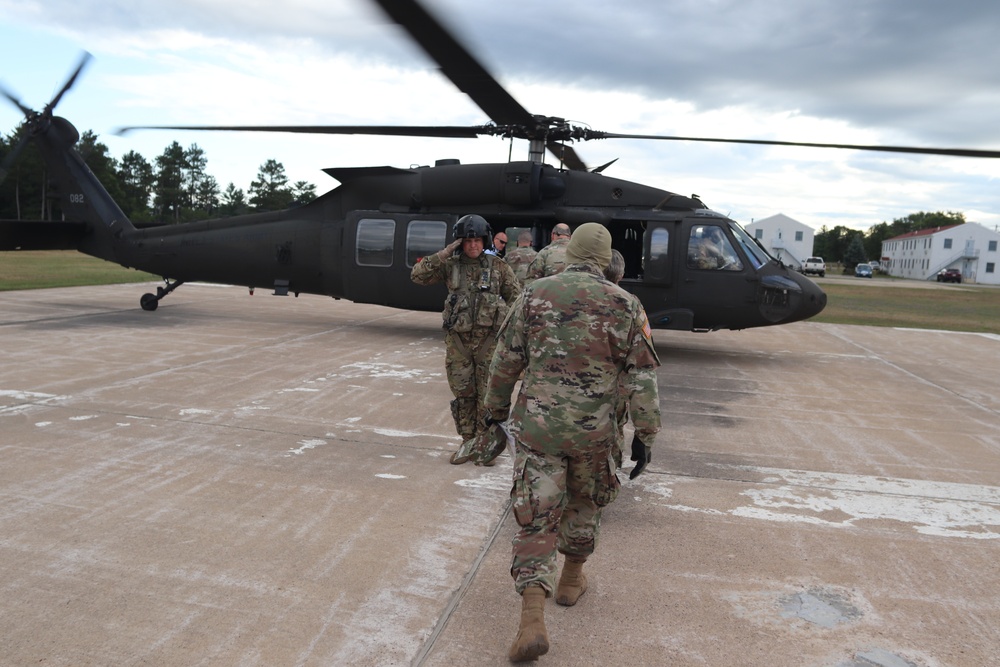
(970, 248)
(789, 240)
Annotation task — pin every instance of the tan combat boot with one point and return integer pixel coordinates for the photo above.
(572, 582)
(532, 640)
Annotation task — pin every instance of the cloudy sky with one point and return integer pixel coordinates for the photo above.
(899, 72)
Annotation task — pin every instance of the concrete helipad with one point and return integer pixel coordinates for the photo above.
(236, 480)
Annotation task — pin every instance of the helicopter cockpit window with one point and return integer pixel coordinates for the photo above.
(708, 248)
(751, 248)
(374, 246)
(424, 237)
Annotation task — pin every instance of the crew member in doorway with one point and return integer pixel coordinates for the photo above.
(552, 258)
(521, 257)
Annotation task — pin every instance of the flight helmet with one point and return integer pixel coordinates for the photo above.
(471, 226)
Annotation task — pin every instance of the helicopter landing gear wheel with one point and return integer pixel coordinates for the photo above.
(150, 302)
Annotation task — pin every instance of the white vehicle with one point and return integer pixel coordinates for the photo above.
(814, 265)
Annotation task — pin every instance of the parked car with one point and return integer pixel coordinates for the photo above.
(949, 276)
(863, 271)
(876, 266)
(814, 265)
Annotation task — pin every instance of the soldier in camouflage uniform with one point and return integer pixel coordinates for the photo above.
(551, 259)
(614, 273)
(521, 257)
(573, 335)
(480, 286)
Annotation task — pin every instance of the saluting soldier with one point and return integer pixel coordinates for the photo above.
(573, 334)
(480, 287)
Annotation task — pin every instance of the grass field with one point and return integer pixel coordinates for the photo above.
(36, 269)
(961, 308)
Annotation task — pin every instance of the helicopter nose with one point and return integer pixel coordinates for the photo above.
(789, 297)
(813, 299)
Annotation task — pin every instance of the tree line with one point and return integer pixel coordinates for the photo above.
(175, 187)
(853, 246)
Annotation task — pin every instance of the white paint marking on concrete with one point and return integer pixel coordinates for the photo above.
(248, 410)
(31, 399)
(83, 418)
(305, 445)
(385, 475)
(194, 411)
(495, 480)
(932, 508)
(382, 370)
(388, 432)
(393, 433)
(659, 488)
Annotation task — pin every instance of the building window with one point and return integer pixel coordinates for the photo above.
(424, 237)
(758, 234)
(989, 267)
(947, 244)
(798, 236)
(993, 246)
(374, 246)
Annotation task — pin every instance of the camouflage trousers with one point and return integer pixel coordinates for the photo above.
(557, 501)
(467, 364)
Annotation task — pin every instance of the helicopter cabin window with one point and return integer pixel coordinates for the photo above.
(424, 237)
(708, 248)
(374, 245)
(659, 245)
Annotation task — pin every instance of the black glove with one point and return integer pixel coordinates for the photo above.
(496, 417)
(641, 454)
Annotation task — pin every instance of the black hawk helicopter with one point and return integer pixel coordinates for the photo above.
(360, 240)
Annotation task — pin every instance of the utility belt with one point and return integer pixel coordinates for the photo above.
(465, 312)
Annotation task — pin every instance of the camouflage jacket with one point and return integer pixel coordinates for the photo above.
(549, 261)
(479, 290)
(519, 259)
(574, 334)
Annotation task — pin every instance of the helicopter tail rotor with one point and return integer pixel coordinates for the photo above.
(36, 122)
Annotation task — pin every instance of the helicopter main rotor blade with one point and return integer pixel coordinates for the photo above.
(566, 155)
(457, 63)
(956, 152)
(457, 132)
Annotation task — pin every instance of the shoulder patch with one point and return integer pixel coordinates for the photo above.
(646, 329)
